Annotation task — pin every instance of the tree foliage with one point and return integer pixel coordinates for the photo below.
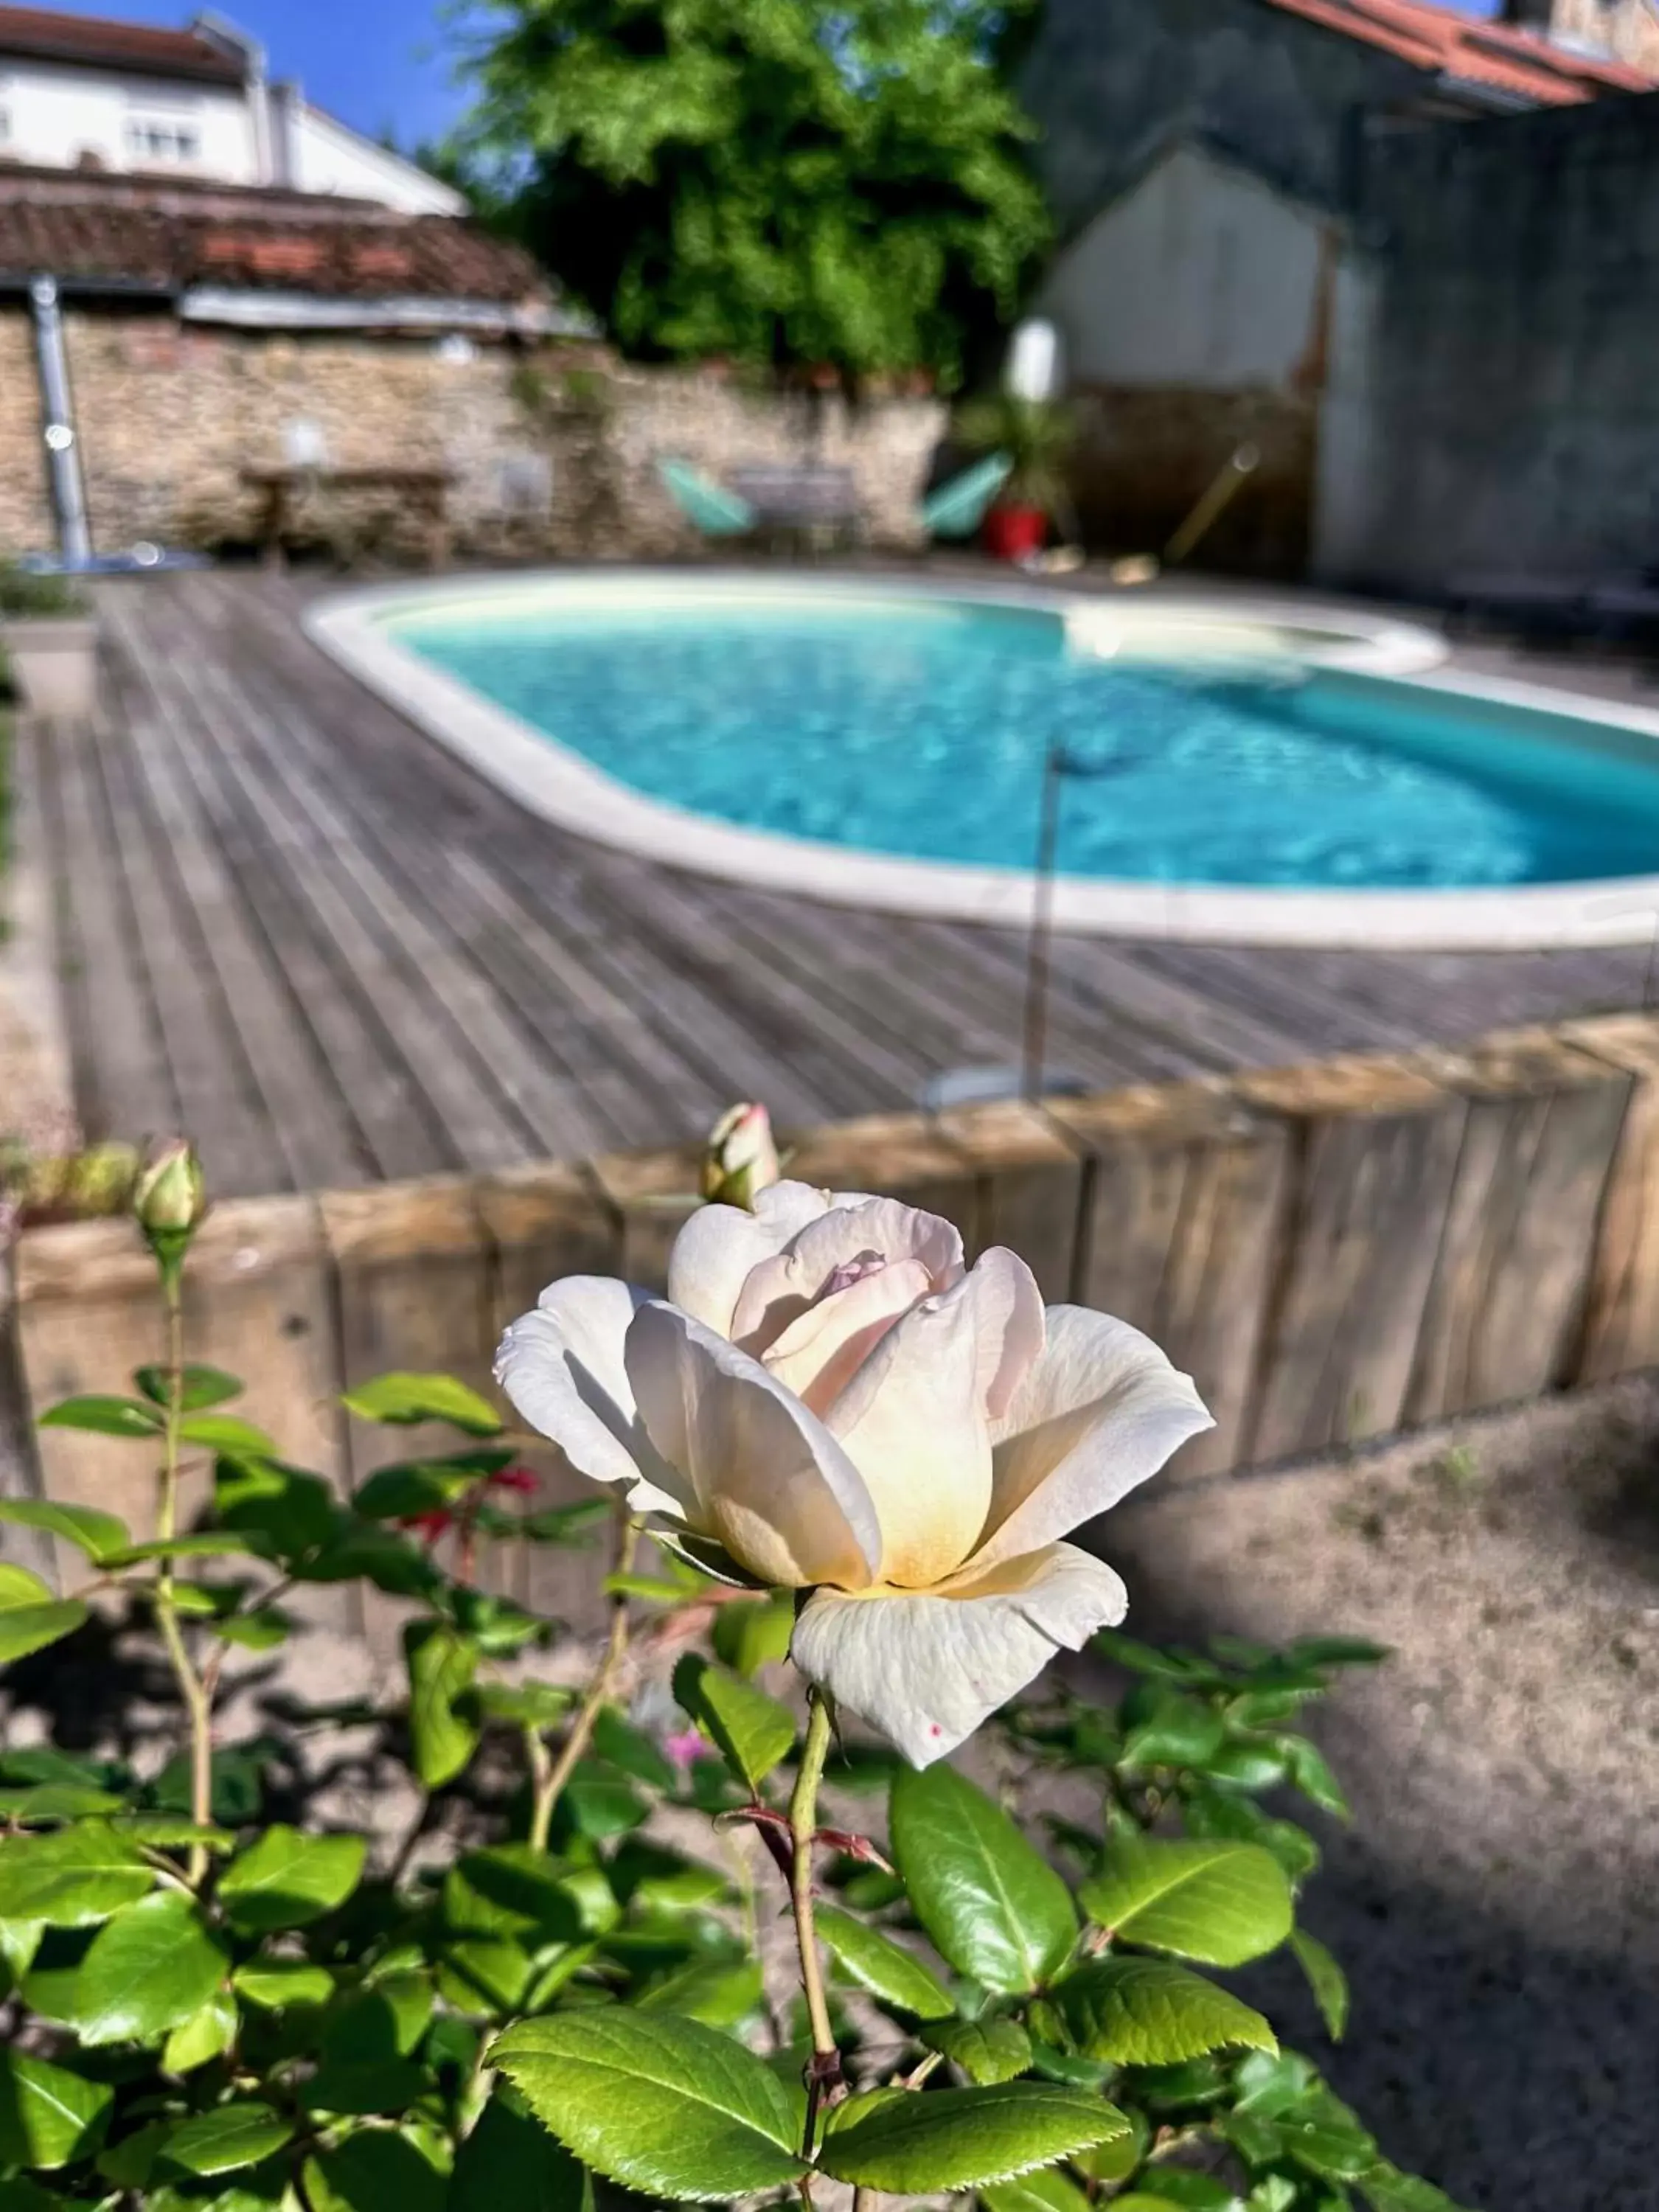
(779, 181)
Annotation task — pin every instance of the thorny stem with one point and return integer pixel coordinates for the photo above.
(824, 2073)
(199, 1705)
(548, 1782)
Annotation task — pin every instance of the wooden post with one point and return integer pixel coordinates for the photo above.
(258, 1301)
(1505, 1309)
(1374, 1145)
(653, 1195)
(1187, 1187)
(1030, 1188)
(1621, 1317)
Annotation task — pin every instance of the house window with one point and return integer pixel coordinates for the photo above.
(156, 139)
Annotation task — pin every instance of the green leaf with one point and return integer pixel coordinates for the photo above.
(25, 1628)
(1313, 1777)
(1150, 2012)
(1325, 1979)
(91, 1531)
(752, 1730)
(514, 1890)
(226, 1434)
(211, 1544)
(200, 1386)
(718, 1996)
(18, 1587)
(884, 1967)
(597, 1802)
(48, 2115)
(287, 1878)
(1222, 1813)
(360, 2086)
(400, 1493)
(912, 2145)
(510, 2163)
(993, 1907)
(523, 1705)
(152, 1966)
(1385, 2189)
(1167, 1727)
(1337, 1652)
(484, 1975)
(277, 1984)
(372, 2170)
(441, 1665)
(402, 1399)
(58, 1800)
(287, 1514)
(752, 1632)
(1161, 2185)
(227, 2138)
(384, 2021)
(1323, 2136)
(206, 2034)
(650, 1590)
(1272, 2086)
(659, 2104)
(1246, 1764)
(631, 1748)
(73, 1878)
(168, 1831)
(1221, 1902)
(987, 2050)
(1047, 2190)
(261, 1630)
(105, 1417)
(1170, 1666)
(20, 2194)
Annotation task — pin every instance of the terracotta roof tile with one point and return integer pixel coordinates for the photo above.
(124, 231)
(1465, 47)
(95, 43)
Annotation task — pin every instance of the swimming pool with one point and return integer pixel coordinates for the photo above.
(1223, 773)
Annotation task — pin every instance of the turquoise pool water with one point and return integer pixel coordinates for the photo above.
(920, 730)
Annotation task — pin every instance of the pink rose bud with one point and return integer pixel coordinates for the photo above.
(741, 1159)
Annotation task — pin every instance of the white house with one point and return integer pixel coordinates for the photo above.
(77, 92)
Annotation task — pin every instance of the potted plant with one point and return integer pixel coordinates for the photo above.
(48, 638)
(1035, 434)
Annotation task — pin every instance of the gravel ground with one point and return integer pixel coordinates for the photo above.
(1494, 1902)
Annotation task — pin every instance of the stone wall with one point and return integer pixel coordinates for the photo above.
(169, 415)
(1492, 405)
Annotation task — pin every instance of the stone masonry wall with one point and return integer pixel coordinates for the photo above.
(169, 415)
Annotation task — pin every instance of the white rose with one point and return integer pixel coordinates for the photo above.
(831, 1397)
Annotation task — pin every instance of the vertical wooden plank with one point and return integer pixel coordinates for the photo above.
(1187, 1187)
(903, 1155)
(1028, 1191)
(1621, 1317)
(258, 1301)
(413, 1272)
(1505, 1308)
(1375, 1146)
(653, 1195)
(545, 1221)
(19, 1465)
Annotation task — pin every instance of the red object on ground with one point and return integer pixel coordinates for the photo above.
(1009, 533)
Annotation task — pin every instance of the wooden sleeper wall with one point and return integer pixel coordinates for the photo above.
(1336, 1252)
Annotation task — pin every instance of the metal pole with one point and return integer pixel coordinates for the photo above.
(1042, 918)
(63, 462)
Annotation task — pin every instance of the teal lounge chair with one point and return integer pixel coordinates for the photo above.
(708, 507)
(957, 507)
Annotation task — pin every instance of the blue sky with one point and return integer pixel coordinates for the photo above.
(372, 62)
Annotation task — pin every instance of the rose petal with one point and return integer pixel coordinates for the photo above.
(818, 1354)
(562, 1367)
(926, 1668)
(720, 1245)
(913, 1422)
(770, 1482)
(1008, 1317)
(1100, 1411)
(780, 1289)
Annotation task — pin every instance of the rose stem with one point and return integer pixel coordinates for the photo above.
(549, 1778)
(197, 1704)
(825, 2069)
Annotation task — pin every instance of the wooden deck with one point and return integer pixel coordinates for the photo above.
(294, 926)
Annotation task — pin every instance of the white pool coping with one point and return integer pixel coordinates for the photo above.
(555, 782)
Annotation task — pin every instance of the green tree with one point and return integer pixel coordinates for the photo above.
(782, 181)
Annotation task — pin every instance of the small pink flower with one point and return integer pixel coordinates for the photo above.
(524, 1479)
(685, 1749)
(429, 1526)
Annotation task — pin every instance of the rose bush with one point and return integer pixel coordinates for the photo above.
(830, 1401)
(535, 1992)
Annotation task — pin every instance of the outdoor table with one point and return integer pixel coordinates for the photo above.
(805, 500)
(427, 491)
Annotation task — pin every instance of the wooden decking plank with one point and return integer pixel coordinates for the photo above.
(405, 1132)
(123, 1085)
(315, 1131)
